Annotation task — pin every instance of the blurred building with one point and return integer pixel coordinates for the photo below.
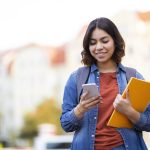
(6, 110)
(135, 28)
(28, 75)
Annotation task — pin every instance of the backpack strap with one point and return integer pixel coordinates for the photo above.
(82, 78)
(130, 72)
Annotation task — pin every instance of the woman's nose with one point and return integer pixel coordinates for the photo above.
(99, 46)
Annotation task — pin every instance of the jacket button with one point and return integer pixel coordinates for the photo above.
(92, 135)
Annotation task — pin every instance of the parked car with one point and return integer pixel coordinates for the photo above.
(62, 142)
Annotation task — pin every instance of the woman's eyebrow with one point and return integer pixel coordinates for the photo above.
(102, 38)
(105, 37)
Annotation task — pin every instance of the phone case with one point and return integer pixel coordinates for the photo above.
(92, 89)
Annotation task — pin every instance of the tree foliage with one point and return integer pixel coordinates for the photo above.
(47, 112)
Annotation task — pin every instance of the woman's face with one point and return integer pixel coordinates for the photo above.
(101, 46)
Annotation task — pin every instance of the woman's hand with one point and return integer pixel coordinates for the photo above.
(124, 106)
(86, 104)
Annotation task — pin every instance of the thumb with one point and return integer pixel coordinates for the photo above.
(119, 96)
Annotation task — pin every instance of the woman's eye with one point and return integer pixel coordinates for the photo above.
(105, 41)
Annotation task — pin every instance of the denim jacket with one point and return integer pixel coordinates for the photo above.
(84, 135)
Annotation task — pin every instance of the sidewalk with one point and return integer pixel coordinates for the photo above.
(16, 148)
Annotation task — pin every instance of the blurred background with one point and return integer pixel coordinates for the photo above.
(40, 45)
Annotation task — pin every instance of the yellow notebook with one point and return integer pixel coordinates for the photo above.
(139, 94)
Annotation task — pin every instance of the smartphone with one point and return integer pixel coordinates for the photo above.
(92, 89)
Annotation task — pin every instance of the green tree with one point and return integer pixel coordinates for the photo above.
(47, 112)
(29, 130)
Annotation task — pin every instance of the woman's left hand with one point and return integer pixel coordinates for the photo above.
(124, 106)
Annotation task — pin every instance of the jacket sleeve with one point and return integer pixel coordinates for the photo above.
(69, 121)
(144, 122)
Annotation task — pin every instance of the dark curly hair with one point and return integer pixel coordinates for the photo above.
(109, 27)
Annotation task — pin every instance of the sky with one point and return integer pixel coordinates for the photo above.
(54, 22)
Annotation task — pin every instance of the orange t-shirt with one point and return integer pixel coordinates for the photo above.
(107, 137)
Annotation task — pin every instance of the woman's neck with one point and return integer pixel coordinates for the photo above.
(107, 67)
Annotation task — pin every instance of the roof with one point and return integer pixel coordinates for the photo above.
(144, 16)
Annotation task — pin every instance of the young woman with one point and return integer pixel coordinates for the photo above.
(103, 48)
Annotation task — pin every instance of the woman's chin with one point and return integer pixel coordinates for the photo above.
(101, 60)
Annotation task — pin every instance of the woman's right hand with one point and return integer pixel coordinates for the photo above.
(86, 104)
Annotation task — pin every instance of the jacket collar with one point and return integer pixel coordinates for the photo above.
(120, 67)
(94, 68)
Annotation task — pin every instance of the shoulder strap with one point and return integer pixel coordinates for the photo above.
(130, 72)
(82, 78)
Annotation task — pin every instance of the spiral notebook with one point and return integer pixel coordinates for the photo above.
(139, 94)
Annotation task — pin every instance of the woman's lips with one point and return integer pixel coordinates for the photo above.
(101, 53)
